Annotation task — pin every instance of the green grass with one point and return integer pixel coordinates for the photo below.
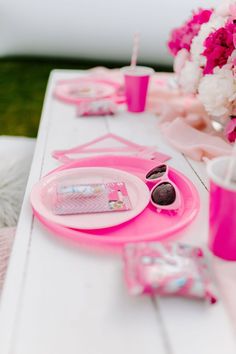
(22, 87)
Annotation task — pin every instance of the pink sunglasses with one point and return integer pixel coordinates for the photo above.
(165, 195)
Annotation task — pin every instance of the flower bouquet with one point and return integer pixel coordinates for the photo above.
(204, 51)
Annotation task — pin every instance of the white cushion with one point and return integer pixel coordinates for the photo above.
(16, 146)
(15, 160)
(6, 241)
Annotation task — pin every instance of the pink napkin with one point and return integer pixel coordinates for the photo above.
(125, 146)
(192, 142)
(189, 109)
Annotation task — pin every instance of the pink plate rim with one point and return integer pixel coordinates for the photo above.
(95, 237)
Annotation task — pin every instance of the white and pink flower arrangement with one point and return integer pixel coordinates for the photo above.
(204, 51)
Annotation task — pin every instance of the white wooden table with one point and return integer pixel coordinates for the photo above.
(62, 299)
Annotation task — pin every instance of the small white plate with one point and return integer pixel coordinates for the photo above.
(138, 192)
(85, 89)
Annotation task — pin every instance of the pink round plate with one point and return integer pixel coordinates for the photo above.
(41, 197)
(149, 225)
(86, 89)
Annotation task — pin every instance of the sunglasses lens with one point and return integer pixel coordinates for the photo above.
(157, 172)
(164, 194)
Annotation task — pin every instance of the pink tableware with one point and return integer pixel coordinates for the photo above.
(222, 220)
(43, 196)
(149, 225)
(87, 89)
(136, 86)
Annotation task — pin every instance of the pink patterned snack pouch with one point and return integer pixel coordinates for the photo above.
(90, 198)
(173, 269)
(103, 107)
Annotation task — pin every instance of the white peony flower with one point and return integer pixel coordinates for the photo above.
(197, 47)
(223, 9)
(189, 77)
(218, 91)
(180, 59)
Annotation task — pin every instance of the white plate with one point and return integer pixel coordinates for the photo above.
(85, 89)
(138, 192)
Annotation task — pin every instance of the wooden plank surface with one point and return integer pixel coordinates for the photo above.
(59, 298)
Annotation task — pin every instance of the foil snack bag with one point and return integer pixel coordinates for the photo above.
(90, 198)
(174, 269)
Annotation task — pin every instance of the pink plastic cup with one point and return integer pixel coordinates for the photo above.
(222, 218)
(136, 86)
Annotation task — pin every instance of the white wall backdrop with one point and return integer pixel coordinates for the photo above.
(100, 29)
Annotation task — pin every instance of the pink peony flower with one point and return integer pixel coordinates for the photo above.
(230, 129)
(219, 47)
(181, 38)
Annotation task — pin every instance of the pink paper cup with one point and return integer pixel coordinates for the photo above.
(136, 86)
(222, 217)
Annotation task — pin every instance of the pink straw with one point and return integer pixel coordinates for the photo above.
(135, 49)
